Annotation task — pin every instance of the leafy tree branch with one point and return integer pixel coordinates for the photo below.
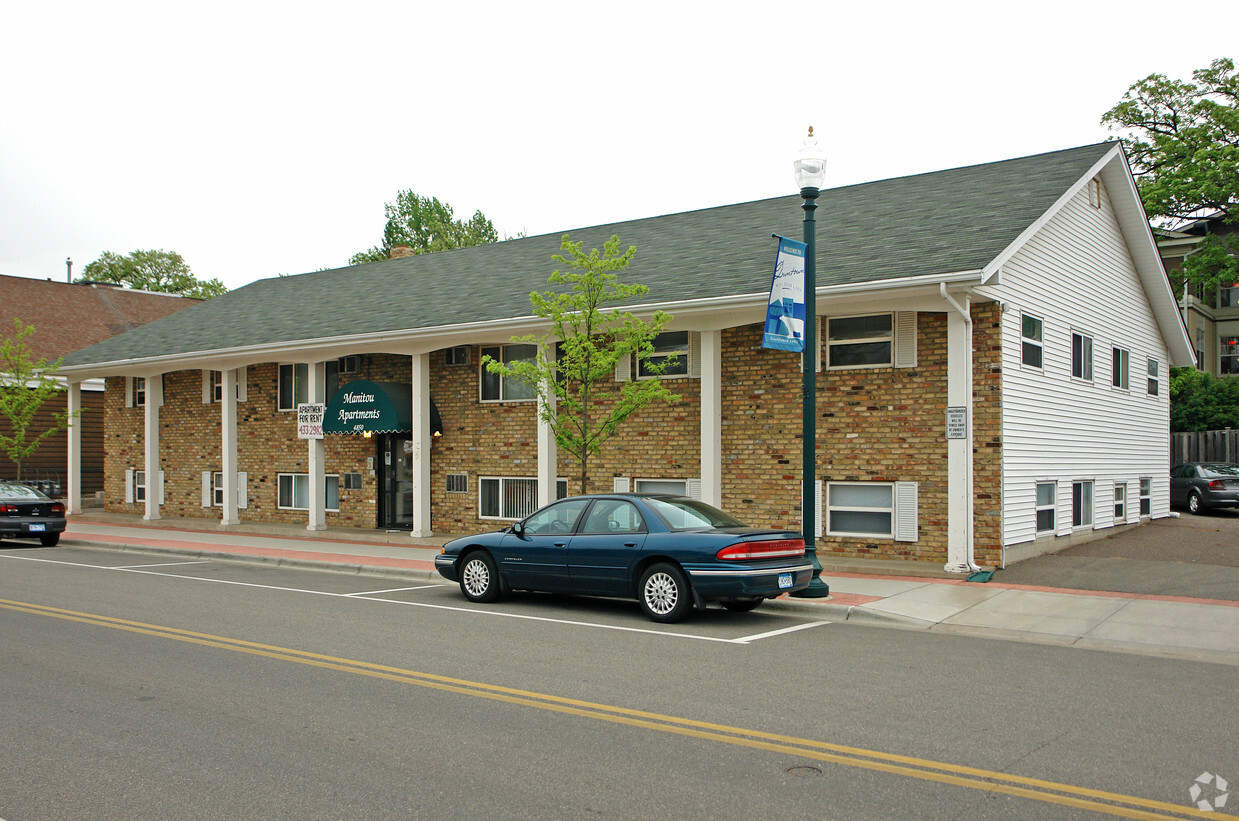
(1183, 141)
(164, 272)
(426, 225)
(25, 385)
(585, 343)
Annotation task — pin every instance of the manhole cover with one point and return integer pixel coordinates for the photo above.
(804, 772)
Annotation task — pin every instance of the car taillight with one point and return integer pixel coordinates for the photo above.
(58, 509)
(1217, 484)
(761, 550)
(8, 508)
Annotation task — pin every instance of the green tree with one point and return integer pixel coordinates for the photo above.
(582, 348)
(1183, 141)
(425, 225)
(165, 272)
(1199, 401)
(25, 384)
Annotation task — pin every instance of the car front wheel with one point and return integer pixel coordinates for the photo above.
(664, 594)
(479, 580)
(1193, 503)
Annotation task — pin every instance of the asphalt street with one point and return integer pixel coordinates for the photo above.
(149, 687)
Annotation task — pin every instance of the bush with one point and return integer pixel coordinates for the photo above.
(1199, 401)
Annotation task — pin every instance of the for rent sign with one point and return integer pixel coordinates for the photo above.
(310, 420)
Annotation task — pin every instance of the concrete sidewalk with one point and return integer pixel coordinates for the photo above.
(1170, 626)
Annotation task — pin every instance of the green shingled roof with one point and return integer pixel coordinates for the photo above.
(928, 224)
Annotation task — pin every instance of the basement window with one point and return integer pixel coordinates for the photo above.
(503, 497)
(1081, 504)
(1046, 495)
(860, 509)
(294, 492)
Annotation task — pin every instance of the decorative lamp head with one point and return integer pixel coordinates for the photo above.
(810, 164)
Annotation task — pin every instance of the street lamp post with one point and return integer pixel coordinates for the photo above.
(810, 168)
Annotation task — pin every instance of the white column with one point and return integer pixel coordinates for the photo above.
(154, 398)
(712, 417)
(548, 449)
(74, 499)
(959, 451)
(316, 388)
(228, 446)
(420, 437)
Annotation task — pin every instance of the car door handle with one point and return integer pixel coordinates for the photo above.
(561, 544)
(630, 544)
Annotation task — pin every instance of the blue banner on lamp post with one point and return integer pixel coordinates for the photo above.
(785, 315)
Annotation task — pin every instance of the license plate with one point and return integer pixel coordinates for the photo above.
(785, 580)
(37, 528)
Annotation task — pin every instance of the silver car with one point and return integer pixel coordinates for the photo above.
(1201, 485)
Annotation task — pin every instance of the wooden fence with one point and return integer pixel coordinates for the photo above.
(1204, 446)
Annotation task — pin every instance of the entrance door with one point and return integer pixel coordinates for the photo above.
(395, 471)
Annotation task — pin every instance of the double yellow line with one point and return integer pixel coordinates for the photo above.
(1123, 806)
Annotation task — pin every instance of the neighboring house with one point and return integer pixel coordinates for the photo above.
(1028, 293)
(67, 317)
(1212, 319)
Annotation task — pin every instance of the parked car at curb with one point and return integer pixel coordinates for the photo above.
(1198, 486)
(25, 513)
(670, 553)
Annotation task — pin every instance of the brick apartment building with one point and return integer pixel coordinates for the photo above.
(1027, 292)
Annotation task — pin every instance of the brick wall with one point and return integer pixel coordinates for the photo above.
(875, 424)
(500, 439)
(987, 433)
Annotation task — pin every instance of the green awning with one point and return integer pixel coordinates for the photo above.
(362, 406)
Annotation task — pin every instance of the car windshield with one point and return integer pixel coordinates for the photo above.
(10, 491)
(1210, 471)
(682, 513)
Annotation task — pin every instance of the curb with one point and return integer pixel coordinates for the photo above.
(816, 608)
(853, 613)
(823, 609)
(359, 569)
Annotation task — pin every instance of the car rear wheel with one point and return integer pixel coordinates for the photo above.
(741, 606)
(49, 539)
(479, 580)
(664, 594)
(1193, 502)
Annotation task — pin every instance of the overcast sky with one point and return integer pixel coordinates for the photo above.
(260, 138)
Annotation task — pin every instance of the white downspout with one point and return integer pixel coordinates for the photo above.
(960, 516)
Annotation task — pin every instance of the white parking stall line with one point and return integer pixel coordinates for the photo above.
(365, 593)
(772, 633)
(161, 564)
(450, 608)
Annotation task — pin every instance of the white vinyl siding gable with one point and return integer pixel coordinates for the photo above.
(1077, 276)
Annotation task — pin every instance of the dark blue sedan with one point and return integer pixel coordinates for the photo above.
(668, 552)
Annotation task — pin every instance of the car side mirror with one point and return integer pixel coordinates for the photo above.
(518, 529)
